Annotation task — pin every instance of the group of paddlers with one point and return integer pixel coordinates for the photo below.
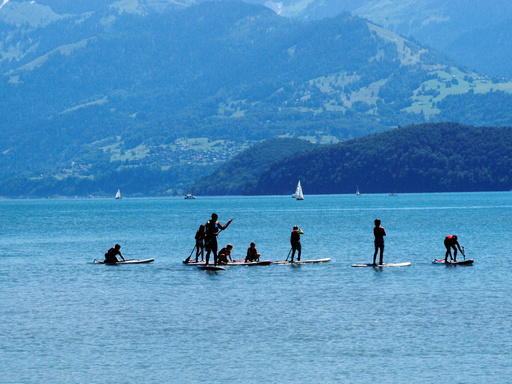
(206, 240)
(450, 242)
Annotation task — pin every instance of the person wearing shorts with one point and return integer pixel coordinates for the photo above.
(213, 227)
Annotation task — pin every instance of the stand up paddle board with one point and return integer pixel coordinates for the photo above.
(247, 264)
(284, 262)
(211, 268)
(132, 261)
(451, 262)
(383, 265)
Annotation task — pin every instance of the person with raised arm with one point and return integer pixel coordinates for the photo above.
(213, 228)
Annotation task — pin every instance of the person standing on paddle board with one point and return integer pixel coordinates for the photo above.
(225, 253)
(213, 227)
(451, 242)
(252, 254)
(295, 242)
(379, 232)
(200, 235)
(110, 256)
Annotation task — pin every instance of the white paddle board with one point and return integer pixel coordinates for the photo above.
(284, 262)
(383, 265)
(132, 261)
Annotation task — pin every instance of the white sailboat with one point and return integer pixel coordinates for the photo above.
(357, 190)
(298, 192)
(118, 194)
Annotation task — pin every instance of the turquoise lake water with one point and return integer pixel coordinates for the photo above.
(66, 320)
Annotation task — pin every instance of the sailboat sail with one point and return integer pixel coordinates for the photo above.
(298, 192)
(118, 194)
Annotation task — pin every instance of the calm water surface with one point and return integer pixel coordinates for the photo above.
(66, 320)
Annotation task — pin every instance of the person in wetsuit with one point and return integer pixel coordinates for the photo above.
(379, 232)
(110, 256)
(225, 253)
(252, 254)
(295, 242)
(213, 227)
(451, 242)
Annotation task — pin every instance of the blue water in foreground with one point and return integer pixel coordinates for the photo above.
(66, 320)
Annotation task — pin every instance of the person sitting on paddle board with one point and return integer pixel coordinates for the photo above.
(224, 253)
(379, 232)
(295, 242)
(451, 242)
(200, 235)
(110, 256)
(213, 227)
(252, 254)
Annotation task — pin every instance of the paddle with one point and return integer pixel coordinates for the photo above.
(188, 258)
(463, 253)
(289, 254)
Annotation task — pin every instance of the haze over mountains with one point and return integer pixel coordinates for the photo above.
(171, 89)
(477, 33)
(474, 32)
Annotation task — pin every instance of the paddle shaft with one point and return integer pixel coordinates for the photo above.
(188, 258)
(289, 254)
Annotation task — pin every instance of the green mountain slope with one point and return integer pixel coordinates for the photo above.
(241, 173)
(442, 157)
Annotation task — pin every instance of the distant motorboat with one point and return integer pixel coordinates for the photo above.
(189, 196)
(393, 194)
(118, 194)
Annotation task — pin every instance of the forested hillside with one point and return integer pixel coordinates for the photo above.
(442, 157)
(240, 175)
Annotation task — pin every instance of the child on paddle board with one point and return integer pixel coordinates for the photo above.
(213, 228)
(451, 242)
(224, 253)
(295, 242)
(252, 254)
(110, 256)
(200, 235)
(379, 232)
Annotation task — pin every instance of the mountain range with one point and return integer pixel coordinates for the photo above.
(92, 90)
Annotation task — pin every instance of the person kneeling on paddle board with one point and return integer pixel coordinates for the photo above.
(213, 227)
(252, 254)
(224, 253)
(295, 242)
(110, 256)
(379, 232)
(451, 242)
